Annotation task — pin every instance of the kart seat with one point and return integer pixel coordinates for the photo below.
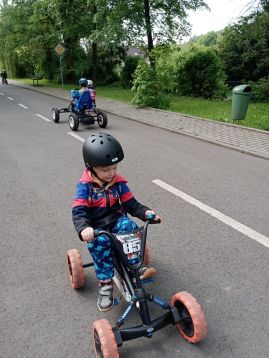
(84, 102)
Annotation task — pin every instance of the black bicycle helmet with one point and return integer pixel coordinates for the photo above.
(101, 149)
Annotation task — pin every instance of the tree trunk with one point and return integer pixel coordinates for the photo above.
(94, 49)
(71, 46)
(149, 33)
(94, 61)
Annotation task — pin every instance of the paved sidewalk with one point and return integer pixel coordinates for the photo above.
(247, 140)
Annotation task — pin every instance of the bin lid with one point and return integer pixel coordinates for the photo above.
(242, 89)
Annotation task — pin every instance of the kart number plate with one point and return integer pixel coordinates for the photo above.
(132, 246)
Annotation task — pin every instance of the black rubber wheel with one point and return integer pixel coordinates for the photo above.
(55, 114)
(73, 121)
(105, 345)
(101, 119)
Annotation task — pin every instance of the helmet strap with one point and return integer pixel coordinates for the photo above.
(91, 169)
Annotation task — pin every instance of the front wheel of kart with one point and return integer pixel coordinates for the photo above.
(101, 119)
(73, 121)
(192, 325)
(105, 345)
(55, 113)
(75, 268)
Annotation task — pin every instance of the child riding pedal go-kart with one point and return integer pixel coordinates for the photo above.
(120, 254)
(91, 88)
(81, 109)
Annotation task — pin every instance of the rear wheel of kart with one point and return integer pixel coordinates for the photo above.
(101, 119)
(147, 256)
(105, 345)
(75, 269)
(55, 113)
(192, 325)
(73, 121)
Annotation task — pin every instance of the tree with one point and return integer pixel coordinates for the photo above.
(159, 21)
(244, 48)
(209, 39)
(30, 30)
(258, 5)
(127, 72)
(200, 73)
(14, 36)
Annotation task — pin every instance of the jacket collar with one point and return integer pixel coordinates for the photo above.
(87, 177)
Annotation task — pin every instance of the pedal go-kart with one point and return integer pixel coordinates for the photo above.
(183, 311)
(82, 110)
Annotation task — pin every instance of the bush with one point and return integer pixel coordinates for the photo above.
(146, 88)
(165, 59)
(200, 74)
(127, 72)
(260, 89)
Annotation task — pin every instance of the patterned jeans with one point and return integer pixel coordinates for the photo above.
(101, 249)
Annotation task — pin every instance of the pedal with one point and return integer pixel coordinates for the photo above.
(147, 280)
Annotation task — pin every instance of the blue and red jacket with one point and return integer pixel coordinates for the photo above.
(100, 207)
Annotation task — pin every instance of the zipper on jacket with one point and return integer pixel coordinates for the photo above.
(107, 199)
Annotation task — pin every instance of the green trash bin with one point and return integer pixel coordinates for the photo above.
(240, 101)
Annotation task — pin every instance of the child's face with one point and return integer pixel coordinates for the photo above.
(106, 174)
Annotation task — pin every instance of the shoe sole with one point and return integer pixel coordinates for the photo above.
(151, 271)
(105, 309)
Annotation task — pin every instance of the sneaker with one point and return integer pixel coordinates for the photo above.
(146, 272)
(105, 300)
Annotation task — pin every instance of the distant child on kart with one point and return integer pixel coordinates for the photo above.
(102, 201)
(83, 85)
(90, 84)
(91, 88)
(76, 94)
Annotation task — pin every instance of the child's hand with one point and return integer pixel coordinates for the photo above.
(151, 212)
(87, 234)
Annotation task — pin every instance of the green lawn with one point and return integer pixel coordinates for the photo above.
(45, 83)
(257, 115)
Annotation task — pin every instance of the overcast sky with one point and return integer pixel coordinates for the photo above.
(223, 12)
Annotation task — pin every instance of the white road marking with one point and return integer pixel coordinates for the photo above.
(76, 136)
(12, 99)
(252, 234)
(2, 94)
(22, 105)
(42, 117)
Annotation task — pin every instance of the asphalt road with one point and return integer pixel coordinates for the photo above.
(227, 271)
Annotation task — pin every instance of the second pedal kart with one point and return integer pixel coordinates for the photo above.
(183, 311)
(82, 110)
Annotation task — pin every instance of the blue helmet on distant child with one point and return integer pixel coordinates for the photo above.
(82, 82)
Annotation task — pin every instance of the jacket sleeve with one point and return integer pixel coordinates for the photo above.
(80, 210)
(130, 204)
